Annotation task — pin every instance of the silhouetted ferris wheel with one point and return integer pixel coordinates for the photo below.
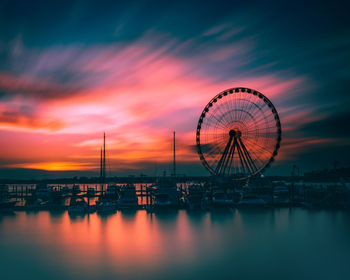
(238, 133)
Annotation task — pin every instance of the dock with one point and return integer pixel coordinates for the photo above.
(58, 196)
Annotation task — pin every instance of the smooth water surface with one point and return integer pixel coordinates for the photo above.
(232, 244)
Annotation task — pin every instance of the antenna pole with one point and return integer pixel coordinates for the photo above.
(104, 155)
(174, 171)
(101, 164)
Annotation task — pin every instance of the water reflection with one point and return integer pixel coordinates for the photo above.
(7, 215)
(128, 214)
(174, 244)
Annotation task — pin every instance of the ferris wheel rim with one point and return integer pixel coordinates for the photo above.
(215, 99)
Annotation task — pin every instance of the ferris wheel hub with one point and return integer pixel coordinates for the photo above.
(235, 133)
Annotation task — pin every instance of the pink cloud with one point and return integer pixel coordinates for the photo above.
(137, 94)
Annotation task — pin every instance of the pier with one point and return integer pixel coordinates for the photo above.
(276, 194)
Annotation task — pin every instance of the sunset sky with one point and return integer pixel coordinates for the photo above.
(138, 70)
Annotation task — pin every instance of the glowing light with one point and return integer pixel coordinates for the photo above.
(54, 166)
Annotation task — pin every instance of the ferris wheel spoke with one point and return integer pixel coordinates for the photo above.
(260, 135)
(216, 143)
(257, 122)
(215, 122)
(222, 114)
(265, 128)
(221, 121)
(227, 111)
(244, 104)
(233, 109)
(214, 153)
(215, 150)
(218, 121)
(253, 146)
(254, 109)
(256, 149)
(259, 146)
(248, 104)
(235, 105)
(257, 111)
(228, 114)
(250, 108)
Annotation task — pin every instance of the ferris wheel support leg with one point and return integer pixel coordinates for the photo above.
(232, 151)
(243, 160)
(246, 160)
(223, 157)
(229, 157)
(250, 161)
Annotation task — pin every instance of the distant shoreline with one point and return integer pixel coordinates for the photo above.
(151, 179)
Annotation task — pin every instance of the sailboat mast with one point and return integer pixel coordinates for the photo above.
(101, 164)
(104, 155)
(174, 161)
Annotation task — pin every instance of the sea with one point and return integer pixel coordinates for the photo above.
(281, 243)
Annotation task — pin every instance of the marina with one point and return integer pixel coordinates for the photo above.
(166, 193)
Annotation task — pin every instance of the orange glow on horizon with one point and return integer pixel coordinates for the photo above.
(54, 166)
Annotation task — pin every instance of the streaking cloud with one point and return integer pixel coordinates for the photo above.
(57, 98)
(136, 93)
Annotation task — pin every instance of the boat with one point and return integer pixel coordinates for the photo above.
(90, 191)
(55, 193)
(4, 190)
(250, 199)
(237, 195)
(104, 205)
(77, 206)
(34, 203)
(112, 191)
(194, 197)
(56, 199)
(220, 199)
(166, 194)
(281, 196)
(76, 189)
(42, 191)
(127, 197)
(7, 205)
(162, 200)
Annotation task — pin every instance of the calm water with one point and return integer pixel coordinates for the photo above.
(270, 244)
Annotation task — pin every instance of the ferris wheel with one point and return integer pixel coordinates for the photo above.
(238, 133)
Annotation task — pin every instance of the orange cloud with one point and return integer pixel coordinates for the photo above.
(138, 94)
